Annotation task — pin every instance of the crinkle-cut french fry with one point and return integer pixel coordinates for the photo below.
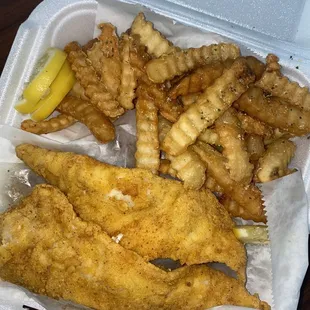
(189, 168)
(255, 146)
(53, 124)
(280, 86)
(235, 209)
(212, 185)
(189, 99)
(210, 105)
(256, 66)
(147, 153)
(168, 66)
(155, 42)
(104, 56)
(163, 128)
(274, 112)
(100, 126)
(231, 138)
(165, 168)
(209, 136)
(200, 79)
(277, 134)
(248, 197)
(95, 90)
(253, 126)
(128, 77)
(273, 164)
(78, 91)
(272, 64)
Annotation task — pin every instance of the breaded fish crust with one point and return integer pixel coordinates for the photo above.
(158, 218)
(48, 249)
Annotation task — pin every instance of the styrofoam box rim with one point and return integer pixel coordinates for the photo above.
(50, 24)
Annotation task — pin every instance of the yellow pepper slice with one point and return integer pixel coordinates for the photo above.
(58, 90)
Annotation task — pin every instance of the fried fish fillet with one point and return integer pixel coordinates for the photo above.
(159, 218)
(48, 249)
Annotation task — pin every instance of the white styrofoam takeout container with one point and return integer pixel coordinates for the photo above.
(262, 25)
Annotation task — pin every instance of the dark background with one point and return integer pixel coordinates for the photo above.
(13, 13)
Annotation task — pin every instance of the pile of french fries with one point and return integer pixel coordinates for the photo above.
(208, 116)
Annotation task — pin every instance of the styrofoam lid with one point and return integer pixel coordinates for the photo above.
(276, 25)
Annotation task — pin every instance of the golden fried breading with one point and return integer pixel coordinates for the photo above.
(47, 248)
(53, 124)
(95, 90)
(78, 91)
(168, 66)
(280, 86)
(155, 42)
(100, 126)
(186, 60)
(147, 146)
(255, 146)
(249, 196)
(157, 217)
(253, 126)
(210, 105)
(274, 112)
(274, 162)
(231, 138)
(200, 79)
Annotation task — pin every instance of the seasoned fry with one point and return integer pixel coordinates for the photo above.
(209, 136)
(277, 134)
(53, 124)
(256, 66)
(255, 146)
(128, 77)
(274, 112)
(78, 91)
(163, 128)
(189, 168)
(273, 164)
(248, 197)
(280, 86)
(200, 79)
(253, 126)
(272, 63)
(212, 185)
(234, 209)
(188, 100)
(155, 42)
(231, 138)
(165, 167)
(94, 89)
(210, 105)
(168, 66)
(100, 126)
(147, 153)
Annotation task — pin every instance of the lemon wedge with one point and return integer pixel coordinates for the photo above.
(58, 90)
(46, 71)
(251, 233)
